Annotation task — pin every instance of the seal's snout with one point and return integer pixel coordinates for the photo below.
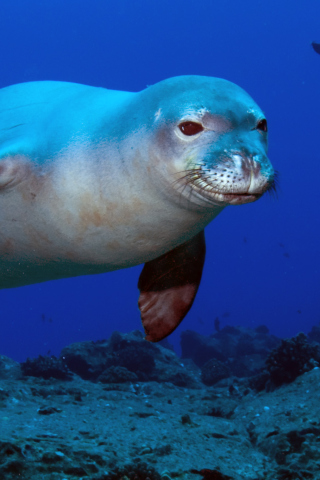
(237, 178)
(251, 169)
(251, 166)
(254, 174)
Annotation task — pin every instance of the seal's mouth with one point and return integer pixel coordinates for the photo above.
(237, 198)
(215, 195)
(205, 185)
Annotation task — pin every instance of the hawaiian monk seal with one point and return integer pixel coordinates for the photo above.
(94, 180)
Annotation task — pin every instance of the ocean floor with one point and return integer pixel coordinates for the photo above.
(162, 423)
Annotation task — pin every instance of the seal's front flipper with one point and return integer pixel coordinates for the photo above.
(168, 286)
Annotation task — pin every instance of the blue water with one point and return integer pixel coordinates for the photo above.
(262, 262)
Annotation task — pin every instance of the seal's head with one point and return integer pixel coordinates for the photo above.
(210, 141)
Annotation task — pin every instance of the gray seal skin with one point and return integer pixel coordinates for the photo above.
(94, 180)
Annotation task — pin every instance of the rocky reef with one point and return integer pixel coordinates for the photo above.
(126, 409)
(293, 357)
(242, 349)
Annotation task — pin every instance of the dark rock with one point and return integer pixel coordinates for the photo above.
(163, 450)
(259, 381)
(9, 369)
(11, 460)
(246, 365)
(314, 335)
(200, 348)
(4, 395)
(221, 408)
(213, 371)
(209, 474)
(181, 379)
(76, 471)
(296, 440)
(143, 414)
(170, 369)
(245, 346)
(51, 457)
(292, 358)
(46, 367)
(15, 467)
(131, 351)
(186, 420)
(281, 446)
(117, 375)
(262, 329)
(86, 359)
(271, 434)
(146, 360)
(166, 344)
(294, 474)
(276, 447)
(218, 435)
(8, 449)
(244, 350)
(49, 410)
(135, 471)
(136, 358)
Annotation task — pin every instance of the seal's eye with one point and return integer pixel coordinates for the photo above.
(190, 128)
(262, 125)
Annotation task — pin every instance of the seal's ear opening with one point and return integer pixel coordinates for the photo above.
(168, 286)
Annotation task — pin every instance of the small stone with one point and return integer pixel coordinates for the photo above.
(185, 419)
(60, 454)
(48, 410)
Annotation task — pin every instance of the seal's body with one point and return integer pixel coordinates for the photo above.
(93, 180)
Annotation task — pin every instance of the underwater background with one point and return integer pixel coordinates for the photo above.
(262, 264)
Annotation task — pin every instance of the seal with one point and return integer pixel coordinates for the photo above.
(93, 180)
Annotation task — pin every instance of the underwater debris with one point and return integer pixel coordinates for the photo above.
(292, 358)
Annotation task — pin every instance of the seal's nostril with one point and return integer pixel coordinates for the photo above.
(262, 125)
